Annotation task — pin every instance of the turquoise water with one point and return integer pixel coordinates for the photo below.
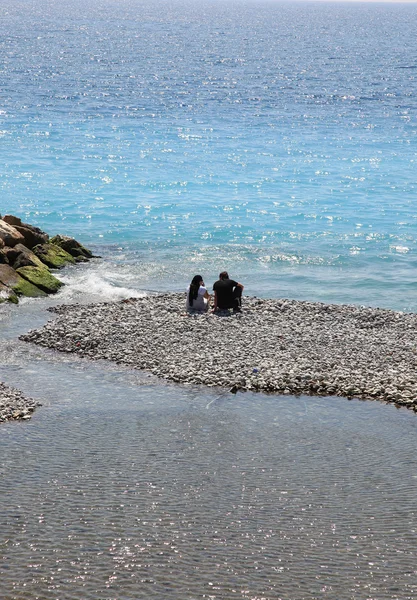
(274, 140)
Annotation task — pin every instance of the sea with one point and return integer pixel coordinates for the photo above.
(274, 140)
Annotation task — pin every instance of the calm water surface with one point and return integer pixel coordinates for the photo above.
(123, 487)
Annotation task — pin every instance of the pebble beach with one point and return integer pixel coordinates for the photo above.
(14, 405)
(275, 345)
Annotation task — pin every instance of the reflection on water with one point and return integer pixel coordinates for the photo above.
(122, 487)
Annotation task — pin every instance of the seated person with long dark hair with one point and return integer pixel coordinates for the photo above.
(227, 293)
(198, 297)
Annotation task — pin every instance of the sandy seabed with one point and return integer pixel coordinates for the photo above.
(277, 346)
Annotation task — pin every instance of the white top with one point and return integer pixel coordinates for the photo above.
(200, 303)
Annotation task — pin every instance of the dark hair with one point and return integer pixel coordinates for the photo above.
(224, 275)
(194, 286)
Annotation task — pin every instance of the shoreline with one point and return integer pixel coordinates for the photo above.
(275, 345)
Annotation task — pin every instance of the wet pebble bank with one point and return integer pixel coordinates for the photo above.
(279, 346)
(14, 405)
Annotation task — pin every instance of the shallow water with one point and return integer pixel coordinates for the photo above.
(124, 487)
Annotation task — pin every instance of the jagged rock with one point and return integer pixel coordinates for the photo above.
(53, 256)
(32, 235)
(71, 246)
(7, 294)
(10, 235)
(41, 278)
(25, 258)
(3, 258)
(12, 220)
(11, 254)
(81, 259)
(17, 284)
(1, 244)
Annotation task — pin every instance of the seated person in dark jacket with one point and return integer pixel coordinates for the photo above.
(227, 293)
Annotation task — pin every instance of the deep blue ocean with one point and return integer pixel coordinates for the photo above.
(275, 140)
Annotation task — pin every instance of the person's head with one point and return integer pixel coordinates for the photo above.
(224, 275)
(194, 287)
(197, 280)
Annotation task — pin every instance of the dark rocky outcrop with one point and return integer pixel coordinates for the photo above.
(10, 235)
(17, 284)
(27, 255)
(41, 277)
(77, 250)
(12, 220)
(31, 235)
(53, 256)
(25, 258)
(11, 254)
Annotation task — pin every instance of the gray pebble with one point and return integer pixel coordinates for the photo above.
(14, 405)
(294, 347)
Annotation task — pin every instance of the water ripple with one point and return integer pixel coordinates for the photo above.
(150, 494)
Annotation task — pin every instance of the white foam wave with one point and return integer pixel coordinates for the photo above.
(95, 286)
